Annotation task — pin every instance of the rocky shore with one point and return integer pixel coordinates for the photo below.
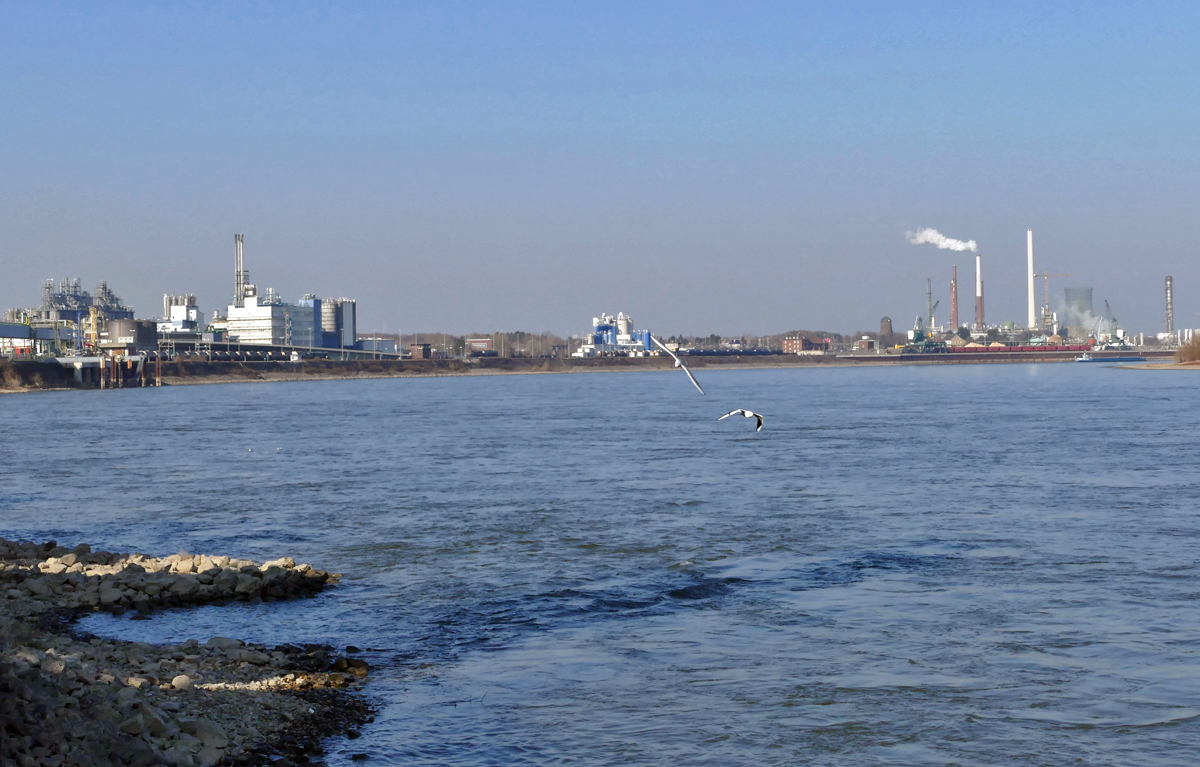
(72, 699)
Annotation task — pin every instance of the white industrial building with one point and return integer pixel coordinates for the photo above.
(311, 322)
(268, 320)
(181, 314)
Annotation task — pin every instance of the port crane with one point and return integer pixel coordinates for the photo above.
(931, 305)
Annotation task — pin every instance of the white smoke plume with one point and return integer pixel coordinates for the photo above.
(928, 236)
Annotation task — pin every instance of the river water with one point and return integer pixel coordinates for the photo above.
(978, 565)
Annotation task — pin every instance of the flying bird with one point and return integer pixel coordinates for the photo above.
(746, 413)
(678, 362)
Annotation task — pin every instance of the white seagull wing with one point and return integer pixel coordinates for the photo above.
(747, 414)
(678, 363)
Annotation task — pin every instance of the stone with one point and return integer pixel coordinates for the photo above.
(253, 656)
(209, 756)
(153, 723)
(133, 726)
(223, 643)
(54, 665)
(189, 743)
(226, 581)
(209, 733)
(137, 682)
(182, 682)
(246, 583)
(37, 587)
(178, 757)
(110, 596)
(183, 587)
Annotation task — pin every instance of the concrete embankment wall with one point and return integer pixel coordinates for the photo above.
(196, 371)
(35, 375)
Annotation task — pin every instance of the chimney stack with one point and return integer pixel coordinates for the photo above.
(1032, 300)
(954, 298)
(1170, 308)
(979, 292)
(239, 275)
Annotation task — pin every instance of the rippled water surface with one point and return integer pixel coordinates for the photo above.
(991, 564)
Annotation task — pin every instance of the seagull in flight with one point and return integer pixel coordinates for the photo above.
(746, 413)
(678, 362)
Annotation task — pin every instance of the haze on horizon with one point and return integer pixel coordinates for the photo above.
(728, 168)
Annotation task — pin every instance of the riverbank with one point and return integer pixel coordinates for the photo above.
(1164, 366)
(201, 372)
(67, 698)
(32, 376)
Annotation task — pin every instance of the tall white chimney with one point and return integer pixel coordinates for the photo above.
(1032, 301)
(239, 274)
(980, 323)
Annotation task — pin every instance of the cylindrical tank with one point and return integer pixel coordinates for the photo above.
(329, 318)
(623, 324)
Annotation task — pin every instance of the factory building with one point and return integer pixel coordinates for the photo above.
(71, 303)
(181, 314)
(269, 320)
(18, 340)
(480, 346)
(339, 323)
(614, 337)
(802, 345)
(129, 336)
(311, 322)
(384, 345)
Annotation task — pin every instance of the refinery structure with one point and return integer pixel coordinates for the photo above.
(615, 337)
(94, 328)
(1074, 322)
(72, 322)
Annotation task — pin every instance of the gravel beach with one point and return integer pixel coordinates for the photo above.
(72, 699)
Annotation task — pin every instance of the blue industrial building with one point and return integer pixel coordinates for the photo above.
(614, 337)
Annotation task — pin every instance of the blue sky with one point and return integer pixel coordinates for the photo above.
(705, 167)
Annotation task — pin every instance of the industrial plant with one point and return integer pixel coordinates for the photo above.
(613, 337)
(98, 336)
(1074, 326)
